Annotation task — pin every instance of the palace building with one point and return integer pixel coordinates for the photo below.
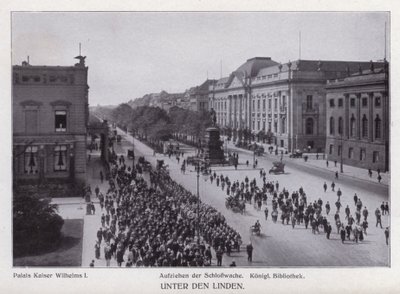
(357, 113)
(50, 117)
(286, 100)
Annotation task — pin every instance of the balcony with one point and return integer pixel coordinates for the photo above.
(310, 110)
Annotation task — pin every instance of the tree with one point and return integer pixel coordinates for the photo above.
(36, 224)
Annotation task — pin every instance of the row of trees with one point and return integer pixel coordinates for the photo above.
(245, 135)
(155, 124)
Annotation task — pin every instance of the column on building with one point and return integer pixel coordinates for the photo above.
(346, 115)
(240, 111)
(370, 117)
(358, 116)
(229, 100)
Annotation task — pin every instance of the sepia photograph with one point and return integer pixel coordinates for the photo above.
(201, 139)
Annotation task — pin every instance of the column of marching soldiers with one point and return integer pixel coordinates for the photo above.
(153, 223)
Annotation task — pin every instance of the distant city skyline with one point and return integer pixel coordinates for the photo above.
(133, 54)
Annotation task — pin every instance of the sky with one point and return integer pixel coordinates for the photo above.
(130, 54)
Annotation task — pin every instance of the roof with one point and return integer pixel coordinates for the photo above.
(253, 65)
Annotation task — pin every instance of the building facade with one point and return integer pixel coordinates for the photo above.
(286, 100)
(198, 96)
(358, 119)
(50, 117)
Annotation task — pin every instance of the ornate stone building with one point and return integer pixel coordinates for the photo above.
(285, 100)
(358, 118)
(50, 116)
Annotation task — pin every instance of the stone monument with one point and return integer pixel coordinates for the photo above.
(214, 152)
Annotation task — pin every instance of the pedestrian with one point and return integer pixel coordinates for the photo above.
(342, 234)
(335, 162)
(219, 255)
(249, 249)
(383, 208)
(378, 217)
(92, 264)
(387, 235)
(328, 230)
(370, 172)
(247, 163)
(379, 178)
(233, 264)
(327, 208)
(327, 163)
(208, 254)
(355, 198)
(365, 213)
(325, 186)
(387, 207)
(338, 205)
(339, 194)
(347, 212)
(266, 213)
(365, 226)
(97, 250)
(333, 186)
(336, 175)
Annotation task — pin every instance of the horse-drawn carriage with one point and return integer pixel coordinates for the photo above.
(235, 204)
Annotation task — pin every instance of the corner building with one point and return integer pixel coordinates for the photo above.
(358, 119)
(287, 100)
(50, 116)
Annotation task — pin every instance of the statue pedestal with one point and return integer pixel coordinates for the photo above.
(214, 152)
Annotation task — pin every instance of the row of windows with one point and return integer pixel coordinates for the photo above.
(31, 121)
(352, 127)
(350, 154)
(31, 165)
(261, 125)
(265, 77)
(364, 102)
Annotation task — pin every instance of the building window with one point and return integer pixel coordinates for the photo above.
(330, 149)
(254, 125)
(339, 150)
(362, 154)
(263, 125)
(352, 126)
(275, 127)
(352, 102)
(331, 126)
(340, 102)
(269, 104)
(364, 127)
(340, 126)
(60, 158)
(258, 125)
(264, 104)
(309, 102)
(351, 153)
(378, 101)
(332, 102)
(61, 121)
(276, 104)
(31, 160)
(254, 104)
(284, 101)
(309, 126)
(375, 156)
(269, 126)
(365, 102)
(283, 126)
(31, 121)
(378, 124)
(258, 104)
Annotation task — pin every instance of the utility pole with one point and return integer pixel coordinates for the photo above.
(198, 203)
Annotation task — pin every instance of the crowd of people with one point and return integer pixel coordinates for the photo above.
(158, 223)
(294, 209)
